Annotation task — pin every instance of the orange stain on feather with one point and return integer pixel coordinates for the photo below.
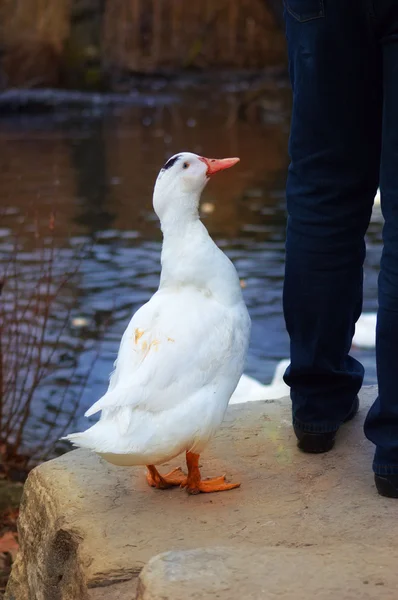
(155, 345)
(145, 347)
(138, 333)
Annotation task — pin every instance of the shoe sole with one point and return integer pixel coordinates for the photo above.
(315, 443)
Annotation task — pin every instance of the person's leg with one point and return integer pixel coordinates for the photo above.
(381, 425)
(335, 68)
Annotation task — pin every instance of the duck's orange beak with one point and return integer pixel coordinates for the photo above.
(218, 164)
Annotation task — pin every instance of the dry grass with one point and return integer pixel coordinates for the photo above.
(136, 35)
(32, 37)
(47, 21)
(8, 545)
(146, 35)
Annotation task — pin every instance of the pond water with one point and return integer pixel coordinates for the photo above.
(95, 169)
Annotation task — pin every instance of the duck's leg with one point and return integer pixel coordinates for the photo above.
(162, 482)
(194, 484)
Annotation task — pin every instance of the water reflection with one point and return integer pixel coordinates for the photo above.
(97, 171)
(88, 160)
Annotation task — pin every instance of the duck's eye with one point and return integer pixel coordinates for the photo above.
(185, 165)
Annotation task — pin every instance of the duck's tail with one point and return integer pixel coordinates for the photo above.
(112, 427)
(81, 440)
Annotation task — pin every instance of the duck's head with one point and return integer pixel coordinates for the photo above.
(181, 182)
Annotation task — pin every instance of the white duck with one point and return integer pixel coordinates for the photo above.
(183, 352)
(251, 390)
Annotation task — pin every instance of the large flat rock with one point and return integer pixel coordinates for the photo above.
(86, 524)
(346, 571)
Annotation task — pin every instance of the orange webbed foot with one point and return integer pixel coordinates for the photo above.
(213, 484)
(176, 477)
(194, 484)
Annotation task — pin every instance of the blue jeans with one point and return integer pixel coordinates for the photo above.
(343, 62)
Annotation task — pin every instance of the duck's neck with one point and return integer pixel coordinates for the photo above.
(191, 258)
(185, 243)
(181, 214)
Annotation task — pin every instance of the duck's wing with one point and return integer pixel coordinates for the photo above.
(171, 348)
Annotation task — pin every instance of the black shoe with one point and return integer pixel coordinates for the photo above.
(387, 485)
(316, 443)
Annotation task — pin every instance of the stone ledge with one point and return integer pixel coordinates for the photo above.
(86, 524)
(349, 572)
